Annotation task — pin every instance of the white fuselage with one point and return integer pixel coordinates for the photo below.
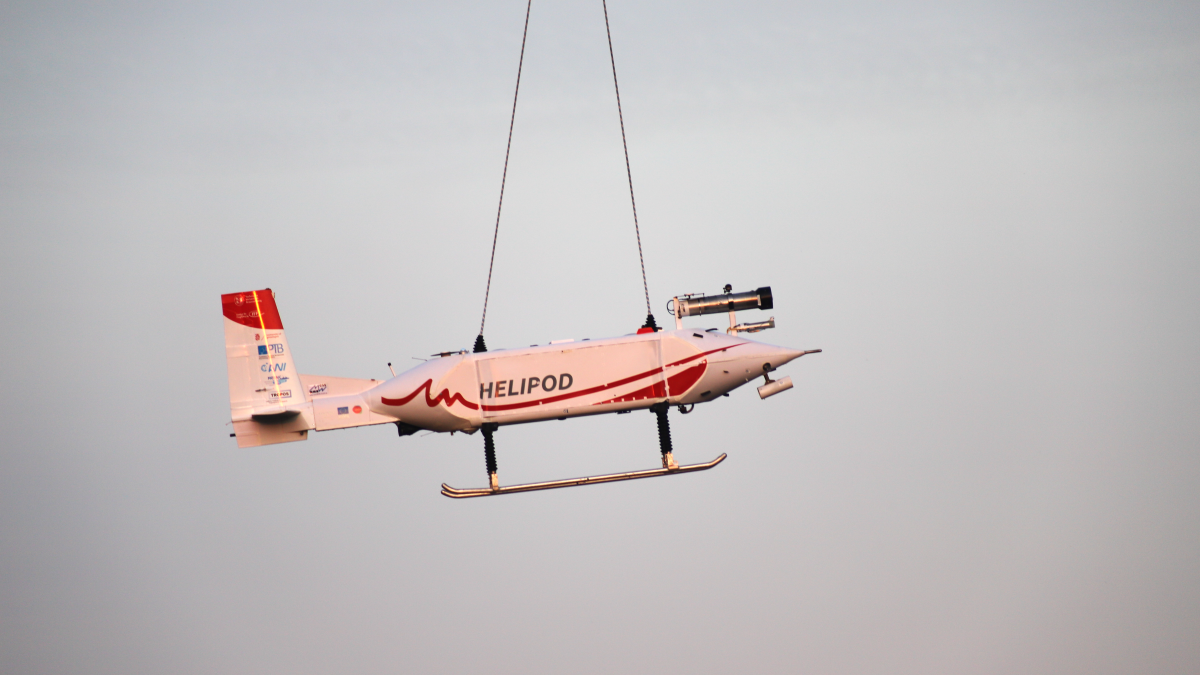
(461, 392)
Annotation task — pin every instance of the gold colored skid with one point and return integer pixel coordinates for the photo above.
(457, 493)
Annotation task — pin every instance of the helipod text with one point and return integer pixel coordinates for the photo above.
(528, 385)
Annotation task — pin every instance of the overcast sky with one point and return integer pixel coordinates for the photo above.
(986, 214)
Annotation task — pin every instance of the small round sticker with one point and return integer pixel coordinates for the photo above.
(358, 410)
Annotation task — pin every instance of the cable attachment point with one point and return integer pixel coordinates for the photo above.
(650, 326)
(480, 345)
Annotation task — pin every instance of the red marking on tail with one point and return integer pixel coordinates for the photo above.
(241, 308)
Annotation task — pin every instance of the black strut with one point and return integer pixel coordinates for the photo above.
(489, 447)
(664, 427)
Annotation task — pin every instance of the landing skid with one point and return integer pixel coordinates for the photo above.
(456, 493)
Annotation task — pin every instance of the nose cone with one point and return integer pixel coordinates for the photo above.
(763, 357)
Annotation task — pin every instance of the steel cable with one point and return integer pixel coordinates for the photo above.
(504, 176)
(628, 172)
(479, 344)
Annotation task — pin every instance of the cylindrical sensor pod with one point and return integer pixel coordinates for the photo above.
(774, 387)
(729, 302)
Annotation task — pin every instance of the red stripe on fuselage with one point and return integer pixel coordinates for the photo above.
(676, 384)
(610, 385)
(656, 390)
(451, 399)
(686, 379)
(574, 394)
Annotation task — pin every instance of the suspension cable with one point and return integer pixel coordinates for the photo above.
(628, 172)
(503, 178)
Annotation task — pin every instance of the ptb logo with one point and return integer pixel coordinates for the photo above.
(276, 349)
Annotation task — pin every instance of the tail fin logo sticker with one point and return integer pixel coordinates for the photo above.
(276, 349)
(344, 410)
(317, 389)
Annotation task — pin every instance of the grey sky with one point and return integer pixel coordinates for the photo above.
(986, 214)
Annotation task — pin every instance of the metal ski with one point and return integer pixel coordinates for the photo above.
(457, 493)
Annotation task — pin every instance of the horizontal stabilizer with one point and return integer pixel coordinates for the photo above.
(279, 417)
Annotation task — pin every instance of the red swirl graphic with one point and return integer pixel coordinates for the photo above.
(445, 396)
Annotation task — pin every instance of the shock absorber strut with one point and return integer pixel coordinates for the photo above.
(489, 454)
(664, 435)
